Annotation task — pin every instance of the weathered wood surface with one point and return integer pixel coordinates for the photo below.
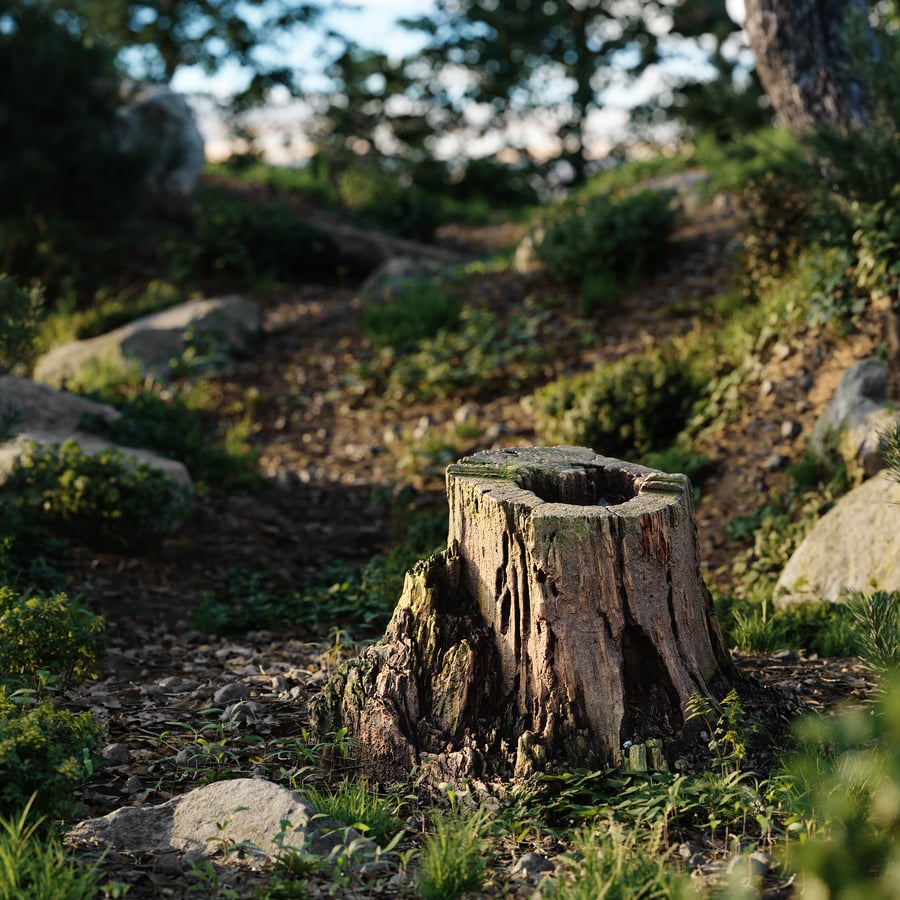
(567, 616)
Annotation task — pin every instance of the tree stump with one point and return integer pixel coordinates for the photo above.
(566, 620)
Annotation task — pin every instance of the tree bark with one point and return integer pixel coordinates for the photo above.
(801, 60)
(566, 621)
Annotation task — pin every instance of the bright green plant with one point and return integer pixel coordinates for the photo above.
(617, 863)
(890, 450)
(34, 865)
(846, 784)
(52, 633)
(103, 500)
(876, 621)
(454, 855)
(605, 244)
(44, 752)
(357, 803)
(626, 408)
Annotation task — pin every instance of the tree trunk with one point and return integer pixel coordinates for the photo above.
(801, 60)
(566, 621)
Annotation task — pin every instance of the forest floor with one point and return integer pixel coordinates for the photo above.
(333, 458)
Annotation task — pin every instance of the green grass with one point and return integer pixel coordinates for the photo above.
(455, 854)
(359, 804)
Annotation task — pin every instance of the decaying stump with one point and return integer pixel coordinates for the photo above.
(566, 618)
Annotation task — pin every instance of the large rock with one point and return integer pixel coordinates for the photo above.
(222, 325)
(855, 546)
(850, 428)
(45, 415)
(159, 125)
(255, 813)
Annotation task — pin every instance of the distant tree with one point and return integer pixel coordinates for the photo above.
(518, 57)
(154, 38)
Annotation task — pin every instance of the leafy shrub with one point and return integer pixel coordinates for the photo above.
(170, 426)
(18, 324)
(480, 353)
(774, 225)
(418, 311)
(389, 201)
(43, 751)
(33, 864)
(876, 242)
(625, 408)
(612, 238)
(52, 633)
(65, 186)
(846, 783)
(236, 240)
(102, 500)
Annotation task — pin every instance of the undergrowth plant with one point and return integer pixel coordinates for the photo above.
(34, 865)
(876, 622)
(104, 500)
(455, 854)
(357, 803)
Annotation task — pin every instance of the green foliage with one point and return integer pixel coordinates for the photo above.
(626, 408)
(388, 200)
(478, 354)
(45, 752)
(33, 864)
(876, 243)
(417, 311)
(876, 620)
(454, 854)
(361, 597)
(66, 187)
(774, 225)
(235, 240)
(102, 500)
(172, 424)
(890, 450)
(616, 863)
(357, 803)
(605, 244)
(846, 782)
(18, 325)
(52, 633)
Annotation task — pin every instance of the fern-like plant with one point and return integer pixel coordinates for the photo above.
(876, 620)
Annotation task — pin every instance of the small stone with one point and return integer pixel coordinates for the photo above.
(781, 351)
(467, 412)
(806, 381)
(116, 754)
(133, 785)
(790, 429)
(776, 461)
(530, 867)
(237, 690)
(243, 712)
(766, 388)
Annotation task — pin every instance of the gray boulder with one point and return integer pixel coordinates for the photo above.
(259, 815)
(159, 124)
(850, 427)
(222, 325)
(44, 415)
(854, 546)
(395, 276)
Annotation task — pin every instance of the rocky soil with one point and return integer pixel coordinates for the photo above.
(333, 458)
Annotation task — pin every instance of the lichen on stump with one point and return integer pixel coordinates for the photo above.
(567, 617)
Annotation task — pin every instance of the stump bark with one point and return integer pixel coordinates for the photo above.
(566, 621)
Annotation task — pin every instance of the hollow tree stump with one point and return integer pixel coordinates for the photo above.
(566, 618)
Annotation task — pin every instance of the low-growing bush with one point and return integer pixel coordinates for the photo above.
(44, 752)
(103, 500)
(21, 309)
(236, 240)
(605, 244)
(53, 633)
(626, 408)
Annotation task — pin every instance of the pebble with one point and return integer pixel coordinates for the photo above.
(781, 351)
(766, 388)
(530, 866)
(133, 785)
(237, 690)
(790, 429)
(116, 754)
(776, 461)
